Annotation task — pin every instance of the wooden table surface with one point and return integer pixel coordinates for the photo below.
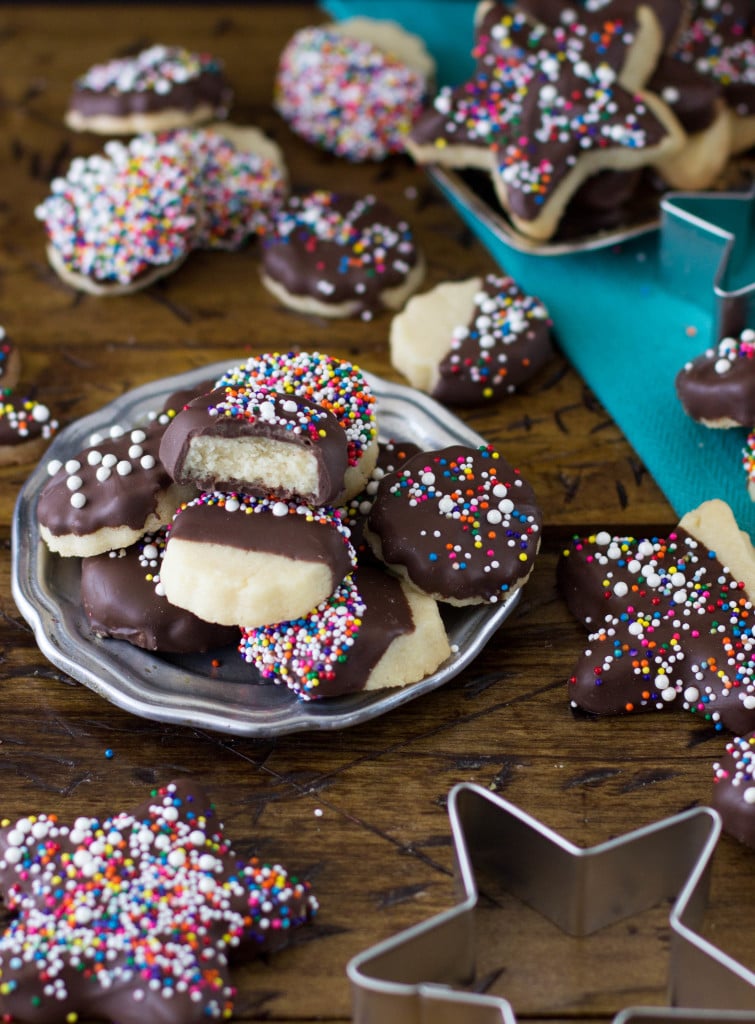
(360, 812)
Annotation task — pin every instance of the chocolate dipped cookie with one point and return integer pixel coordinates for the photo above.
(373, 632)
(239, 560)
(734, 789)
(717, 388)
(134, 916)
(353, 87)
(670, 620)
(459, 524)
(123, 598)
(340, 255)
(257, 441)
(109, 494)
(159, 88)
(470, 342)
(335, 385)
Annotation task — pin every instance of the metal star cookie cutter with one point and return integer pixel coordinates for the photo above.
(708, 238)
(407, 979)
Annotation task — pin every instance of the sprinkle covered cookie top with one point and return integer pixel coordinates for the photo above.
(157, 69)
(335, 384)
(346, 95)
(134, 910)
(461, 521)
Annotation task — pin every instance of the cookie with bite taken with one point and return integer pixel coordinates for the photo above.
(258, 441)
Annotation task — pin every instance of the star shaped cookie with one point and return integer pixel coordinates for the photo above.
(547, 108)
(132, 917)
(670, 618)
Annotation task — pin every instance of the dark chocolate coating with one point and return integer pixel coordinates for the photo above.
(695, 99)
(508, 339)
(720, 383)
(653, 607)
(339, 248)
(734, 787)
(120, 597)
(295, 421)
(460, 521)
(310, 538)
(316, 669)
(209, 87)
(120, 500)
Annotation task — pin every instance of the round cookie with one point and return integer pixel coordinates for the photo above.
(373, 632)
(120, 221)
(258, 441)
(334, 384)
(460, 524)
(240, 178)
(108, 495)
(717, 388)
(149, 907)
(244, 561)
(734, 789)
(353, 87)
(10, 362)
(26, 427)
(469, 342)
(160, 88)
(123, 597)
(340, 255)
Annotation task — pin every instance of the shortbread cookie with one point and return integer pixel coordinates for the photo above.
(460, 524)
(353, 87)
(734, 789)
(108, 495)
(469, 342)
(240, 178)
(123, 597)
(10, 362)
(26, 427)
(244, 561)
(720, 44)
(134, 916)
(697, 102)
(717, 388)
(118, 222)
(160, 88)
(547, 108)
(373, 632)
(258, 441)
(334, 384)
(339, 255)
(654, 608)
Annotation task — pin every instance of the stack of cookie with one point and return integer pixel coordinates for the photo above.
(264, 507)
(570, 103)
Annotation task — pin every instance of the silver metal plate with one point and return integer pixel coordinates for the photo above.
(216, 691)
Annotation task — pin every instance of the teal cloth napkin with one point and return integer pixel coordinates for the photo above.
(620, 325)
